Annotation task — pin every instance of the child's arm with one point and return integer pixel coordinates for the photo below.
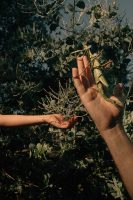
(56, 120)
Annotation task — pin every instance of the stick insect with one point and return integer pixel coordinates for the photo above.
(95, 66)
(100, 80)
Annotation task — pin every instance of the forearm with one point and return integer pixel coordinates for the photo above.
(22, 120)
(121, 149)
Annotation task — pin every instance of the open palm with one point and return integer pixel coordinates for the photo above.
(59, 121)
(104, 113)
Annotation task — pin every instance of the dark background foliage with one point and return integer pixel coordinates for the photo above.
(38, 39)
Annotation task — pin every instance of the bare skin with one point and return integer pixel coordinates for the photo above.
(56, 120)
(106, 117)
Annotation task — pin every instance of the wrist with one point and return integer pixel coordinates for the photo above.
(46, 118)
(118, 143)
(113, 132)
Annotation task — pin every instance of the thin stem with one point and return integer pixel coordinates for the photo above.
(73, 18)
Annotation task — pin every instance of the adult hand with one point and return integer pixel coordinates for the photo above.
(106, 116)
(104, 113)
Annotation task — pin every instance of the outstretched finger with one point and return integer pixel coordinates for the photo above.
(88, 71)
(82, 72)
(77, 82)
(81, 68)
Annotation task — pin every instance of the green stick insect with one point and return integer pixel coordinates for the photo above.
(100, 80)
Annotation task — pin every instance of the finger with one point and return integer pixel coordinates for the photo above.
(82, 72)
(81, 67)
(85, 82)
(118, 103)
(62, 125)
(118, 92)
(72, 121)
(88, 70)
(77, 82)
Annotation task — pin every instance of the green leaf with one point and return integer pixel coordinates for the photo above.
(39, 147)
(31, 146)
(80, 134)
(80, 4)
(127, 40)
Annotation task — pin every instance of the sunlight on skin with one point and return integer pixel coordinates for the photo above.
(91, 97)
(107, 118)
(56, 120)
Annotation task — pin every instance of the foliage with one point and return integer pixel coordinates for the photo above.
(38, 41)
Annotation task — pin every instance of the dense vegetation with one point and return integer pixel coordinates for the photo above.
(38, 38)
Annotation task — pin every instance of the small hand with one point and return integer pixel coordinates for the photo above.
(103, 112)
(59, 121)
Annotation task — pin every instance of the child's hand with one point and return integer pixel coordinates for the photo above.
(59, 121)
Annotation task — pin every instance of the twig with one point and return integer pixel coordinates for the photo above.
(86, 48)
(8, 175)
(34, 2)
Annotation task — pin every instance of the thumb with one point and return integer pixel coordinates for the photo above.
(118, 90)
(118, 94)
